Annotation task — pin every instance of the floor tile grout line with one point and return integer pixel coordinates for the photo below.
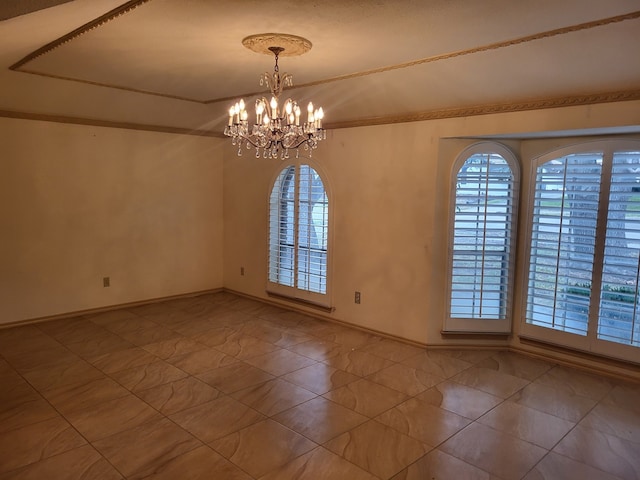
(548, 450)
(361, 348)
(71, 425)
(395, 362)
(299, 433)
(90, 443)
(579, 421)
(444, 453)
(134, 393)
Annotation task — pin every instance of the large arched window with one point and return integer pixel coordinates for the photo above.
(482, 240)
(298, 234)
(584, 251)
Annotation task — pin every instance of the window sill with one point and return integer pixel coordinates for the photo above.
(475, 335)
(302, 302)
(576, 352)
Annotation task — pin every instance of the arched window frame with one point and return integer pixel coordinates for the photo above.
(500, 323)
(292, 284)
(595, 291)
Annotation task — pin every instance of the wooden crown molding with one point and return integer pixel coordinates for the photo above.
(521, 106)
(540, 104)
(101, 20)
(12, 9)
(108, 124)
(107, 85)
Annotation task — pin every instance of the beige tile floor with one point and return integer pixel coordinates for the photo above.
(221, 387)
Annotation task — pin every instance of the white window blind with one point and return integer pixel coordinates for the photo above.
(312, 232)
(482, 242)
(298, 230)
(282, 229)
(618, 309)
(584, 259)
(563, 241)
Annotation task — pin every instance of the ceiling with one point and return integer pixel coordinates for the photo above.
(177, 64)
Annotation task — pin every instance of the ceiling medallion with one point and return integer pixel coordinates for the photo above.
(277, 127)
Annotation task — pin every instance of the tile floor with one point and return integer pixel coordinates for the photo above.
(221, 387)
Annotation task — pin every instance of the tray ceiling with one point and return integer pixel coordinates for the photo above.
(371, 62)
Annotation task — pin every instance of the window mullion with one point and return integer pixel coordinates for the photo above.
(296, 208)
(599, 245)
(560, 233)
(484, 232)
(307, 228)
(635, 307)
(282, 208)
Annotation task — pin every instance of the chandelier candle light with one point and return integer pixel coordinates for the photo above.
(278, 127)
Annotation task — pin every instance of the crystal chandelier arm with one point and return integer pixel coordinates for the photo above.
(275, 81)
(301, 140)
(248, 139)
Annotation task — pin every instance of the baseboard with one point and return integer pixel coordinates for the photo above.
(108, 308)
(312, 312)
(585, 362)
(588, 362)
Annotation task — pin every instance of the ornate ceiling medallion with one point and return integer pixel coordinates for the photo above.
(292, 45)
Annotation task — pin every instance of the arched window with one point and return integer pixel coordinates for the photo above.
(584, 251)
(298, 234)
(482, 240)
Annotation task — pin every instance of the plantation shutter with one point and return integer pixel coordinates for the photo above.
(618, 310)
(482, 239)
(282, 213)
(312, 232)
(563, 242)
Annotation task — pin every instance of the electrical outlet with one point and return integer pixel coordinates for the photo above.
(242, 271)
(357, 298)
(106, 282)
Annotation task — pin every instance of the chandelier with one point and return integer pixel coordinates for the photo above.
(278, 127)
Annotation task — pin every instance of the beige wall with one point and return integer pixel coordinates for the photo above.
(79, 203)
(390, 196)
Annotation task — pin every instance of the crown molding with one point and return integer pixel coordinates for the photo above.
(107, 85)
(109, 124)
(539, 104)
(522, 106)
(101, 20)
(12, 9)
